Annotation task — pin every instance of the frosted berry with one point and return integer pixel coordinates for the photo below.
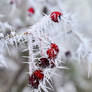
(51, 53)
(43, 62)
(56, 16)
(55, 47)
(39, 74)
(31, 10)
(33, 81)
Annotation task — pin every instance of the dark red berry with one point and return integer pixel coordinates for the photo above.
(33, 81)
(67, 53)
(51, 53)
(55, 47)
(31, 10)
(45, 10)
(55, 16)
(39, 74)
(12, 2)
(52, 65)
(43, 62)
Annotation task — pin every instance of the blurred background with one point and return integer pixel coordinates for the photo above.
(13, 73)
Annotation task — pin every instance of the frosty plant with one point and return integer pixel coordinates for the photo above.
(43, 54)
(46, 45)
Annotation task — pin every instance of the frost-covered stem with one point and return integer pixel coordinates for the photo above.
(41, 38)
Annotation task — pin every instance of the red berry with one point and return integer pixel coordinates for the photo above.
(51, 53)
(33, 81)
(55, 47)
(31, 10)
(43, 62)
(55, 16)
(39, 74)
(35, 77)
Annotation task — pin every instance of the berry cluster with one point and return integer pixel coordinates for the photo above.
(47, 61)
(43, 63)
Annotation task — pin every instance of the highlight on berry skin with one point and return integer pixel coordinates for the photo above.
(56, 16)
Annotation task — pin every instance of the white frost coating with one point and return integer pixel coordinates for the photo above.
(43, 35)
(2, 58)
(2, 61)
